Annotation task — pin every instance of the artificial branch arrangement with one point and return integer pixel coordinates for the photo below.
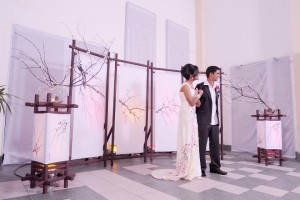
(244, 91)
(86, 66)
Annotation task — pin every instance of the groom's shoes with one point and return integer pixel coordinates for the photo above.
(218, 171)
(203, 173)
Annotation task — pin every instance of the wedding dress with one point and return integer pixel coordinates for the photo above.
(188, 160)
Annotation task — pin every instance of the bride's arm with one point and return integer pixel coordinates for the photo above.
(192, 100)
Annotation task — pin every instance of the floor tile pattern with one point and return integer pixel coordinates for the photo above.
(130, 179)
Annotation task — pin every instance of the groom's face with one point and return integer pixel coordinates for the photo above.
(215, 76)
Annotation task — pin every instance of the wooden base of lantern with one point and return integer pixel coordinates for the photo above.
(269, 155)
(46, 174)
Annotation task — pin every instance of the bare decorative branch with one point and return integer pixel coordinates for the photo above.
(244, 91)
(86, 66)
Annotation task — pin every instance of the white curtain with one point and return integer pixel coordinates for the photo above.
(280, 95)
(273, 79)
(88, 119)
(18, 136)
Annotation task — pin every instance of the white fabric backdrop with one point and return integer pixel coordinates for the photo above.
(274, 77)
(87, 119)
(18, 136)
(280, 95)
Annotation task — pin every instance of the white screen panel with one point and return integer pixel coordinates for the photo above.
(88, 132)
(166, 110)
(130, 109)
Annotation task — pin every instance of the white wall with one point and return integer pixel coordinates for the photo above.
(239, 32)
(102, 18)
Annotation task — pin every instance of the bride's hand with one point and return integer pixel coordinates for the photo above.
(198, 92)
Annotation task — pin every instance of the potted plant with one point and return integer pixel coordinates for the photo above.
(4, 100)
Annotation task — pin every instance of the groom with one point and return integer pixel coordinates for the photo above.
(208, 121)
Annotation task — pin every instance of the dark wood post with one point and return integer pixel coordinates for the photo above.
(146, 107)
(114, 110)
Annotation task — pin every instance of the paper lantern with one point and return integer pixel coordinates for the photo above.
(51, 137)
(269, 134)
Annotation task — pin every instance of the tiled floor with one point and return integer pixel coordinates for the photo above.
(130, 179)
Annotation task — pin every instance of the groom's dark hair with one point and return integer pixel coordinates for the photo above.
(211, 69)
(189, 69)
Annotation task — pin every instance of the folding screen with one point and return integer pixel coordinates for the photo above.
(130, 109)
(88, 119)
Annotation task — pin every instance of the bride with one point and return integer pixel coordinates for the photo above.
(188, 160)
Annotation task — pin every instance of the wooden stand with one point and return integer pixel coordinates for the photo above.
(269, 155)
(269, 139)
(47, 174)
(42, 172)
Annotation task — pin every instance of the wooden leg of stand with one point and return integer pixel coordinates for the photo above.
(266, 156)
(258, 154)
(32, 181)
(280, 158)
(66, 182)
(45, 188)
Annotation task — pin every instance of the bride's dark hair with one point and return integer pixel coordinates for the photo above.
(189, 69)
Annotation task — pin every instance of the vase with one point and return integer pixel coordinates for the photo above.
(58, 93)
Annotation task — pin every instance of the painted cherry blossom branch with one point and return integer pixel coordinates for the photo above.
(130, 107)
(168, 109)
(37, 144)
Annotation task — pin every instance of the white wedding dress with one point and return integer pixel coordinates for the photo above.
(188, 160)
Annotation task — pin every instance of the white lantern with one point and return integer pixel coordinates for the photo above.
(51, 137)
(269, 134)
